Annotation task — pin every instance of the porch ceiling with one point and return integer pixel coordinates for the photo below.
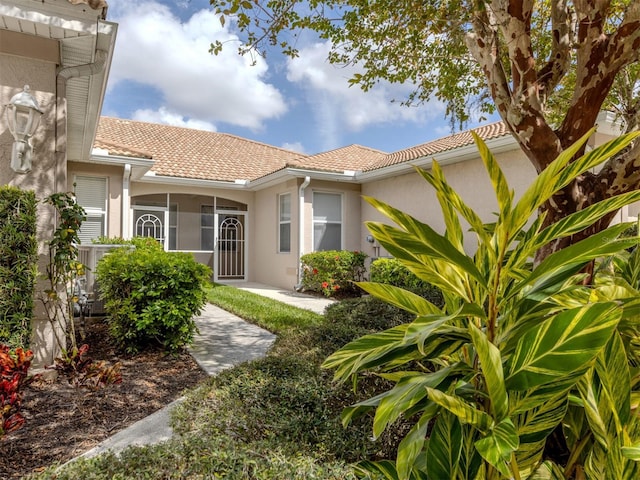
(86, 43)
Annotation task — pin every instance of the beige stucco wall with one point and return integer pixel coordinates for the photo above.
(269, 266)
(413, 195)
(48, 166)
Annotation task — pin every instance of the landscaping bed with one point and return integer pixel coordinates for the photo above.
(63, 421)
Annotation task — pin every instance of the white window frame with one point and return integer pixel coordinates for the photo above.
(284, 221)
(325, 222)
(93, 211)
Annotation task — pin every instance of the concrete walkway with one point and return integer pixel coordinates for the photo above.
(224, 341)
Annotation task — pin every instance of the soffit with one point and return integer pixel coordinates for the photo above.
(80, 31)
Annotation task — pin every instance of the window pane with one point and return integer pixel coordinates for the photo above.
(327, 236)
(327, 207)
(91, 192)
(285, 238)
(285, 208)
(206, 239)
(92, 227)
(206, 217)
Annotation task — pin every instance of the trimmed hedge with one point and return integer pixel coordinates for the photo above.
(333, 272)
(18, 265)
(391, 272)
(151, 296)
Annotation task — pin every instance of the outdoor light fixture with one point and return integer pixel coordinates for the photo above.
(23, 116)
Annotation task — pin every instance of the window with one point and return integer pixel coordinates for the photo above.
(207, 227)
(327, 221)
(91, 194)
(284, 221)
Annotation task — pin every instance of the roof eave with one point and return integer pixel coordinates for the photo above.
(347, 176)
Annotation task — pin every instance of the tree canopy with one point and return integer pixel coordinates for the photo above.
(547, 67)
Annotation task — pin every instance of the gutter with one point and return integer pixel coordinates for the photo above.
(303, 185)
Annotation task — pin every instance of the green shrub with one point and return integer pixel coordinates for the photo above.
(18, 257)
(392, 272)
(151, 295)
(332, 272)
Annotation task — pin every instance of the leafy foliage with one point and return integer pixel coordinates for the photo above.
(14, 367)
(18, 257)
(64, 268)
(83, 372)
(332, 272)
(151, 295)
(392, 272)
(519, 354)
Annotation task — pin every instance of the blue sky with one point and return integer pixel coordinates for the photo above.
(162, 72)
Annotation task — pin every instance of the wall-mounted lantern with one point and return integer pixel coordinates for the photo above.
(23, 117)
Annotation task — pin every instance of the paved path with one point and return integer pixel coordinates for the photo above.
(224, 341)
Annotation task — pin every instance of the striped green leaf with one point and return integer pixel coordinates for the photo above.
(410, 390)
(449, 198)
(371, 350)
(400, 298)
(461, 409)
(614, 378)
(586, 387)
(444, 447)
(548, 471)
(563, 345)
(421, 236)
(412, 445)
(498, 446)
(491, 365)
(504, 195)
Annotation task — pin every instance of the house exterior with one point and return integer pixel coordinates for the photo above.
(246, 209)
(250, 210)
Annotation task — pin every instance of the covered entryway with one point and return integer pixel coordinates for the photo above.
(213, 229)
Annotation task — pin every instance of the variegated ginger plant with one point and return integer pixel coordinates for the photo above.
(518, 352)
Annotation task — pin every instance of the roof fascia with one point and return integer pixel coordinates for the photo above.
(140, 166)
(348, 176)
(456, 155)
(151, 177)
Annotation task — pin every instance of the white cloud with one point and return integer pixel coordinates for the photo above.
(156, 49)
(164, 116)
(337, 106)
(294, 147)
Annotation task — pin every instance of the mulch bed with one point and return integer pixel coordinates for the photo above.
(63, 422)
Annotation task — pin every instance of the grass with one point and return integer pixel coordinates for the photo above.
(273, 418)
(265, 312)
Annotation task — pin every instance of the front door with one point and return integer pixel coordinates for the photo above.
(230, 255)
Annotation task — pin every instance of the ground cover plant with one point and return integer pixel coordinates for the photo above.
(529, 370)
(276, 418)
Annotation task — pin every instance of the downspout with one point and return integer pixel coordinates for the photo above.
(304, 185)
(126, 203)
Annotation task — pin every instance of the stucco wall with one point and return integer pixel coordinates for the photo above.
(48, 166)
(271, 267)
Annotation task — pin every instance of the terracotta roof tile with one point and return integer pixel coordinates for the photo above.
(188, 153)
(486, 132)
(120, 150)
(352, 157)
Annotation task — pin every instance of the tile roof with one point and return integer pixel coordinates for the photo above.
(486, 132)
(352, 157)
(187, 153)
